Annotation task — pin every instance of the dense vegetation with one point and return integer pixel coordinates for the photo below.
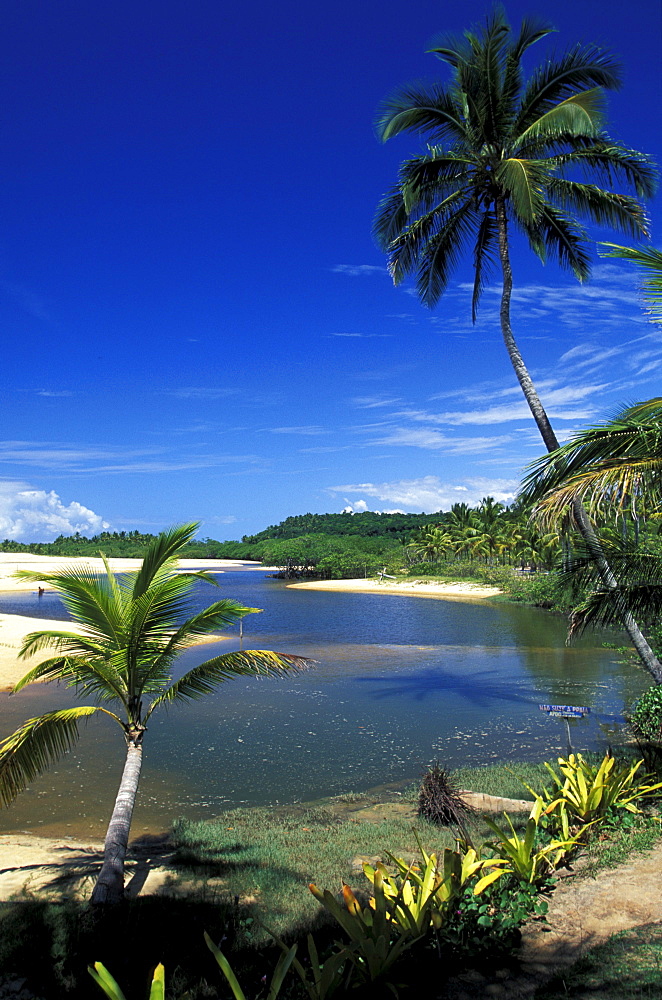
(114, 544)
(366, 523)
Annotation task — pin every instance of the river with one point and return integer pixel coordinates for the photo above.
(399, 681)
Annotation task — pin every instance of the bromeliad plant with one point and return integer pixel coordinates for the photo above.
(522, 857)
(405, 906)
(419, 896)
(588, 792)
(377, 941)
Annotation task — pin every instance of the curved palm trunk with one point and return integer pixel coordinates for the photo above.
(109, 887)
(584, 526)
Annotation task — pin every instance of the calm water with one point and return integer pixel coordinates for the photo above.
(399, 681)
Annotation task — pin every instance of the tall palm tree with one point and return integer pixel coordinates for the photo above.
(649, 261)
(613, 468)
(503, 154)
(132, 629)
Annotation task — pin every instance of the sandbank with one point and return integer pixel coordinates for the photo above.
(11, 562)
(408, 588)
(14, 628)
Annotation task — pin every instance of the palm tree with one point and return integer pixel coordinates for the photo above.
(614, 468)
(431, 543)
(649, 261)
(132, 628)
(500, 152)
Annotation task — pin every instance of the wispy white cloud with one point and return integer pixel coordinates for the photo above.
(326, 449)
(555, 400)
(430, 493)
(54, 392)
(374, 402)
(308, 430)
(97, 460)
(359, 270)
(405, 317)
(32, 515)
(434, 440)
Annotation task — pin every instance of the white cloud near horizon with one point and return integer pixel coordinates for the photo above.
(31, 515)
(428, 493)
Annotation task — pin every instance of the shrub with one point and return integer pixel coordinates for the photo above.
(646, 717)
(489, 925)
(439, 799)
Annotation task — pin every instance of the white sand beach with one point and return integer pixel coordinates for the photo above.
(408, 588)
(13, 628)
(11, 562)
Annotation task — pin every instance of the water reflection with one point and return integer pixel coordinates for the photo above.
(479, 689)
(399, 681)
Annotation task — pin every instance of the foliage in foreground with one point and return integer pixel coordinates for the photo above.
(465, 901)
(252, 865)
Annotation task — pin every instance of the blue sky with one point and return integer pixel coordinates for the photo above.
(197, 323)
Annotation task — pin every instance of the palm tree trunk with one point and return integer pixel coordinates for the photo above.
(109, 887)
(580, 517)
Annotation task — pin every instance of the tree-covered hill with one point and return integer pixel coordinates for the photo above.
(365, 523)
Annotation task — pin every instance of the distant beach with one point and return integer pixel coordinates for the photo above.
(408, 588)
(11, 562)
(14, 628)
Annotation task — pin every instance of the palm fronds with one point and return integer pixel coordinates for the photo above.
(638, 590)
(649, 260)
(205, 678)
(618, 463)
(34, 746)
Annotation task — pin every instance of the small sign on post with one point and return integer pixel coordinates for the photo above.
(566, 712)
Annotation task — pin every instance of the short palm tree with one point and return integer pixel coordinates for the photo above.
(503, 154)
(132, 628)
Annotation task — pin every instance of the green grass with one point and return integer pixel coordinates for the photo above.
(613, 845)
(504, 780)
(626, 967)
(268, 860)
(254, 864)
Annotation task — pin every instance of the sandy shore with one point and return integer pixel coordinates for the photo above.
(11, 562)
(13, 628)
(409, 588)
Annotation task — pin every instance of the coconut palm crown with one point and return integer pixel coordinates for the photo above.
(129, 631)
(504, 154)
(614, 468)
